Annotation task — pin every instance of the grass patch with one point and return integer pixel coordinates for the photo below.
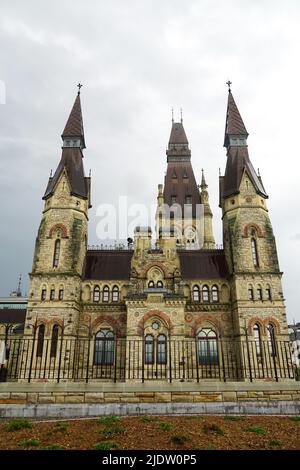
(275, 442)
(112, 430)
(29, 443)
(18, 423)
(194, 417)
(208, 446)
(207, 428)
(61, 426)
(105, 445)
(180, 438)
(108, 419)
(54, 447)
(164, 426)
(294, 418)
(256, 430)
(147, 419)
(234, 418)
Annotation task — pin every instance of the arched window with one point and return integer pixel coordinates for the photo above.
(151, 284)
(161, 349)
(40, 341)
(257, 339)
(61, 294)
(250, 293)
(196, 294)
(54, 340)
(56, 253)
(205, 294)
(215, 294)
(159, 284)
(149, 350)
(271, 339)
(105, 294)
(254, 252)
(44, 294)
(259, 292)
(115, 294)
(268, 293)
(104, 347)
(207, 347)
(96, 294)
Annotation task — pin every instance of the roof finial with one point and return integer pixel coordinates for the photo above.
(172, 115)
(229, 83)
(51, 173)
(258, 172)
(19, 292)
(79, 86)
(181, 116)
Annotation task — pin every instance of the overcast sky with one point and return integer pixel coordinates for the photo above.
(137, 59)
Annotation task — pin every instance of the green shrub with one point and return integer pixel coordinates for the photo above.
(18, 423)
(294, 418)
(54, 447)
(275, 442)
(207, 446)
(29, 443)
(180, 438)
(213, 428)
(164, 426)
(105, 445)
(234, 418)
(112, 430)
(107, 419)
(147, 419)
(256, 429)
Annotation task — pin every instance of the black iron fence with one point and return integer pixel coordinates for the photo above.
(124, 359)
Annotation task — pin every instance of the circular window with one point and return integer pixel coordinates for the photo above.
(155, 325)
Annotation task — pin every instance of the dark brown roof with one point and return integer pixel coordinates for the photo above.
(71, 160)
(180, 182)
(108, 264)
(74, 126)
(234, 123)
(178, 135)
(237, 162)
(203, 264)
(12, 315)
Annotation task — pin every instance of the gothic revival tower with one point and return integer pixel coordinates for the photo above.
(60, 249)
(249, 242)
(183, 212)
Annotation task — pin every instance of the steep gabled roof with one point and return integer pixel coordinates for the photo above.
(234, 122)
(178, 135)
(74, 126)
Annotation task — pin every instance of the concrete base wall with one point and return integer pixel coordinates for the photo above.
(93, 399)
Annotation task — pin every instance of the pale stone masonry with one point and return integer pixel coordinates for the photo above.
(181, 290)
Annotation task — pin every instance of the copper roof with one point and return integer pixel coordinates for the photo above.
(203, 264)
(74, 126)
(71, 161)
(12, 315)
(238, 161)
(108, 264)
(234, 122)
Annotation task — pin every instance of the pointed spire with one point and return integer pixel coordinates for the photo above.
(73, 134)
(203, 185)
(178, 147)
(235, 130)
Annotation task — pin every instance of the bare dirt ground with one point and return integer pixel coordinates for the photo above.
(196, 432)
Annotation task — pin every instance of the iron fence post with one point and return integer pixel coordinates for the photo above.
(248, 354)
(223, 362)
(115, 359)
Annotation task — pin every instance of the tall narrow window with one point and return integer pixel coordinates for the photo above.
(40, 342)
(215, 294)
(161, 349)
(205, 294)
(259, 293)
(52, 294)
(44, 293)
(104, 347)
(105, 294)
(257, 339)
(54, 340)
(254, 252)
(149, 350)
(271, 339)
(96, 294)
(268, 293)
(207, 347)
(250, 293)
(196, 294)
(115, 294)
(60, 294)
(56, 253)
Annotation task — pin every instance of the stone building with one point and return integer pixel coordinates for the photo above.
(170, 306)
